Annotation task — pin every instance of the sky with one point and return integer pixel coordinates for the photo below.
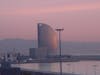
(79, 18)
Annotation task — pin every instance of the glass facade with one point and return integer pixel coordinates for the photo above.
(47, 37)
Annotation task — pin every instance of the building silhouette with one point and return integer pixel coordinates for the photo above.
(47, 42)
(47, 38)
(38, 53)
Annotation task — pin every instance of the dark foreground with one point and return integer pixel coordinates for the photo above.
(18, 71)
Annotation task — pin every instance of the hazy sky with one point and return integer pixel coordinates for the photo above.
(79, 18)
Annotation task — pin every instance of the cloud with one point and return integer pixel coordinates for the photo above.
(50, 10)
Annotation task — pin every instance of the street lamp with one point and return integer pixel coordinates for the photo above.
(60, 64)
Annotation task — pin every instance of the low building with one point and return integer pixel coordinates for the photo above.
(38, 53)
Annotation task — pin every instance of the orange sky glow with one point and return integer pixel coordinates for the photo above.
(80, 19)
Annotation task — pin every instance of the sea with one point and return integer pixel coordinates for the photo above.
(79, 67)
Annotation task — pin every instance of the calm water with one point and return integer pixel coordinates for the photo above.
(82, 67)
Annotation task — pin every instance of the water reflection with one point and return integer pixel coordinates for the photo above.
(95, 69)
(82, 67)
(45, 67)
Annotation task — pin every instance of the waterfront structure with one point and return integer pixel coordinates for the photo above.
(32, 53)
(38, 53)
(6, 69)
(47, 38)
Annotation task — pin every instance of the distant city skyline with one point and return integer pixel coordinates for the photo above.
(79, 18)
(20, 45)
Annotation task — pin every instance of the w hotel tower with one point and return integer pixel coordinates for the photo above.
(47, 38)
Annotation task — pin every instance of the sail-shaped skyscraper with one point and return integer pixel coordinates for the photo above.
(47, 38)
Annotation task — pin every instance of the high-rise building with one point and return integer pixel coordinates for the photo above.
(47, 38)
